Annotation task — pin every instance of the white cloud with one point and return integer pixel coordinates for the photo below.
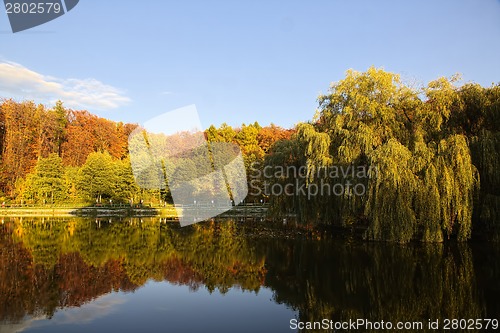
(18, 81)
(98, 308)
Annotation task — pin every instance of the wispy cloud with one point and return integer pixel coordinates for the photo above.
(101, 307)
(18, 81)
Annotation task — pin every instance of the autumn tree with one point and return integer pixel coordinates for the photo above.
(268, 135)
(21, 141)
(87, 133)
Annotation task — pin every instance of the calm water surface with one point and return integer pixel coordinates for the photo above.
(142, 275)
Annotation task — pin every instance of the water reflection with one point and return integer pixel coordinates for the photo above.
(380, 281)
(61, 268)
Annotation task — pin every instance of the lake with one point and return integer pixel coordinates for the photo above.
(149, 275)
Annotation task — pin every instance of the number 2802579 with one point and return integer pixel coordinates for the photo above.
(33, 8)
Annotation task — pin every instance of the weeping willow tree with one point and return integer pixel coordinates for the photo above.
(293, 155)
(417, 142)
(482, 116)
(425, 182)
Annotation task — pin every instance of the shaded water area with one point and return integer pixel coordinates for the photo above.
(130, 275)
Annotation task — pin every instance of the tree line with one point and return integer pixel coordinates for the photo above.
(58, 155)
(432, 155)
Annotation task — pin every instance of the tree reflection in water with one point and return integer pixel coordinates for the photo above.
(48, 264)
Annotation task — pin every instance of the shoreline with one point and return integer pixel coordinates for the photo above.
(237, 212)
(253, 222)
(85, 211)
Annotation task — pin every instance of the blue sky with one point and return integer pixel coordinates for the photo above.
(239, 61)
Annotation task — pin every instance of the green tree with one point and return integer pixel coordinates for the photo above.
(97, 177)
(61, 120)
(46, 182)
(125, 187)
(71, 175)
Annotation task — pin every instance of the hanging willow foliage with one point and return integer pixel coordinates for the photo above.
(481, 116)
(316, 148)
(486, 155)
(391, 194)
(457, 182)
(426, 182)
